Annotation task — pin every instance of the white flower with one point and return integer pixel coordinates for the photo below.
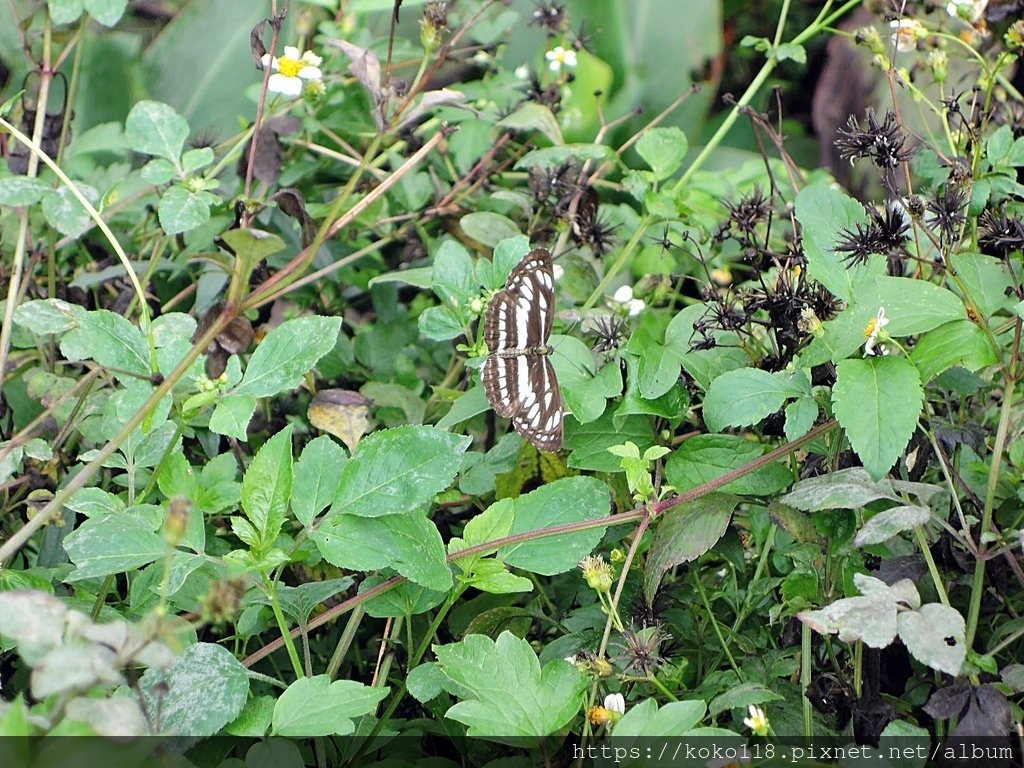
(873, 329)
(615, 702)
(558, 271)
(971, 10)
(522, 72)
(559, 57)
(905, 34)
(292, 70)
(758, 720)
(624, 296)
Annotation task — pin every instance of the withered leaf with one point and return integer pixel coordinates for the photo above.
(292, 203)
(341, 412)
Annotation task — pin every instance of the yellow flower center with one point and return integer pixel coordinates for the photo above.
(289, 67)
(870, 329)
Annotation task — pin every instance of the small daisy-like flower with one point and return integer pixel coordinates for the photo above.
(598, 573)
(971, 10)
(560, 57)
(292, 71)
(906, 33)
(758, 721)
(522, 72)
(872, 332)
(615, 702)
(624, 296)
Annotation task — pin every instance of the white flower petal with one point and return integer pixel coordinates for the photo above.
(636, 306)
(615, 702)
(287, 86)
(623, 295)
(312, 59)
(291, 52)
(310, 73)
(266, 61)
(569, 57)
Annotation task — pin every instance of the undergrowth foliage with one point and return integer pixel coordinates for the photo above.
(252, 485)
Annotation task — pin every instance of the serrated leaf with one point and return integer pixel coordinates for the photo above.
(743, 397)
(487, 227)
(267, 487)
(287, 354)
(935, 635)
(21, 190)
(182, 210)
(231, 416)
(315, 706)
(65, 213)
(960, 342)
(663, 149)
(317, 476)
(112, 544)
(890, 522)
(706, 457)
(482, 673)
(110, 340)
(800, 417)
(846, 489)
(204, 691)
(534, 117)
(398, 470)
(684, 533)
(878, 401)
(45, 316)
(154, 128)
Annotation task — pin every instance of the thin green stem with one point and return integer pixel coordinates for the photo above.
(940, 589)
(715, 626)
(345, 641)
(805, 678)
(282, 624)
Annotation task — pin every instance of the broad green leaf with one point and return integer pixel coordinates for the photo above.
(409, 543)
(658, 366)
(231, 416)
(112, 544)
(106, 12)
(267, 487)
(743, 397)
(960, 342)
(850, 488)
(95, 502)
(21, 190)
(65, 213)
(553, 157)
(487, 227)
(935, 635)
(398, 470)
(204, 691)
(494, 273)
(589, 443)
(468, 405)
(663, 149)
(890, 522)
(64, 11)
(824, 212)
(317, 475)
(440, 324)
(406, 599)
(684, 533)
(706, 457)
(287, 354)
(34, 620)
(314, 706)
(645, 719)
(110, 340)
(878, 401)
(800, 417)
(254, 720)
(253, 245)
(741, 697)
(534, 117)
(45, 316)
(300, 602)
(453, 278)
(986, 279)
(504, 693)
(912, 306)
(585, 391)
(182, 210)
(569, 500)
(154, 128)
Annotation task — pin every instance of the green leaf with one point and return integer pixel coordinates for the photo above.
(453, 278)
(154, 128)
(194, 159)
(488, 228)
(406, 599)
(468, 405)
(741, 697)
(110, 340)
(800, 417)
(684, 533)
(317, 475)
(706, 457)
(534, 117)
(106, 12)
(590, 442)
(493, 273)
(663, 149)
(45, 316)
(912, 306)
(314, 706)
(158, 171)
(254, 720)
(871, 617)
(645, 719)
(95, 502)
(825, 212)
(986, 278)
(64, 11)
(267, 487)
(398, 470)
(849, 488)
(569, 500)
(890, 522)
(204, 691)
(878, 401)
(182, 210)
(584, 391)
(112, 544)
(21, 190)
(960, 342)
(300, 602)
(790, 52)
(743, 397)
(231, 416)
(408, 543)
(65, 213)
(440, 324)
(504, 693)
(553, 157)
(935, 635)
(287, 354)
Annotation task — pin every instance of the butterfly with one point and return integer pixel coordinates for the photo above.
(518, 376)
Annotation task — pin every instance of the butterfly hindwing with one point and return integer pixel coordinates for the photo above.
(518, 377)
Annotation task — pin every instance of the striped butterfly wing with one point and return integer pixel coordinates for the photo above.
(518, 377)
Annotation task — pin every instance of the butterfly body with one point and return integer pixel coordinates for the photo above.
(518, 376)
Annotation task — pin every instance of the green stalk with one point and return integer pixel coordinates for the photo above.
(282, 624)
(805, 679)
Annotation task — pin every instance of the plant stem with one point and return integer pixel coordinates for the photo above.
(293, 654)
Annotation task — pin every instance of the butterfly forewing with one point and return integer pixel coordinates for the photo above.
(518, 377)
